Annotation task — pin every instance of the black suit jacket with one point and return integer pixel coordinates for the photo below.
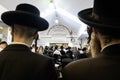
(17, 62)
(106, 66)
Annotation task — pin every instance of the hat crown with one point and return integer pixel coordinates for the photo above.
(26, 15)
(28, 9)
(107, 9)
(105, 13)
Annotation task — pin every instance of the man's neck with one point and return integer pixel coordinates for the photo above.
(20, 43)
(21, 40)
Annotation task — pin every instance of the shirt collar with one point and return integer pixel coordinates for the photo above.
(20, 43)
(108, 46)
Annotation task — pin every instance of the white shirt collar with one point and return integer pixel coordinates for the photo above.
(20, 43)
(108, 46)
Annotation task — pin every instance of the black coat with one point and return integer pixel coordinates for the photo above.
(106, 66)
(17, 62)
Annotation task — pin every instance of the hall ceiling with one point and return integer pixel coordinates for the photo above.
(65, 11)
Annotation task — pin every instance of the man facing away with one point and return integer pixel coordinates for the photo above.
(17, 62)
(104, 21)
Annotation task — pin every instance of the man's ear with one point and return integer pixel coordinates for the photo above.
(12, 33)
(35, 36)
(94, 30)
(96, 33)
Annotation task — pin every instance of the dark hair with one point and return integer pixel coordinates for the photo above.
(3, 42)
(84, 49)
(24, 30)
(46, 47)
(89, 31)
(110, 32)
(61, 47)
(56, 47)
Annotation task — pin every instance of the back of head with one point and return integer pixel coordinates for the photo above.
(23, 31)
(84, 49)
(61, 47)
(56, 47)
(3, 42)
(110, 32)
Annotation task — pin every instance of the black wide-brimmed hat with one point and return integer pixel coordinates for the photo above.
(105, 13)
(27, 15)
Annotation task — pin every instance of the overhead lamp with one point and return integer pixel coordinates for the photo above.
(56, 21)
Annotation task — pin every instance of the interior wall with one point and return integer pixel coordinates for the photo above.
(57, 35)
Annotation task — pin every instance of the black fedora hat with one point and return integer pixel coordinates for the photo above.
(25, 14)
(105, 13)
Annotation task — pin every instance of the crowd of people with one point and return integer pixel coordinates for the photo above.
(62, 55)
(69, 52)
(20, 61)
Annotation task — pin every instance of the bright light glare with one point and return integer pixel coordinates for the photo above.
(56, 21)
(63, 12)
(74, 18)
(82, 29)
(67, 14)
(48, 11)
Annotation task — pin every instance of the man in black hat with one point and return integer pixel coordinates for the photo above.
(17, 62)
(104, 21)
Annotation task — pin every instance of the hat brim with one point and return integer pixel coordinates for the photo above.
(86, 17)
(27, 19)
